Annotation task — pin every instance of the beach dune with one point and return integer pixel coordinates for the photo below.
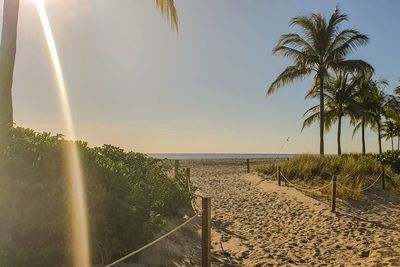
(258, 223)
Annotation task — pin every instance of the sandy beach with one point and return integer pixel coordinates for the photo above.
(257, 223)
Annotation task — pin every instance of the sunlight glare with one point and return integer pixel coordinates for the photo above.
(78, 210)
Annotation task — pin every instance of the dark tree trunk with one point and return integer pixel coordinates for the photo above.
(363, 135)
(391, 138)
(7, 59)
(321, 110)
(339, 132)
(379, 138)
(398, 144)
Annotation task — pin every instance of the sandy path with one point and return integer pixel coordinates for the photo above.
(257, 223)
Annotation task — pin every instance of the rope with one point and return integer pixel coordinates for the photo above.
(195, 207)
(154, 241)
(270, 176)
(305, 189)
(391, 176)
(368, 187)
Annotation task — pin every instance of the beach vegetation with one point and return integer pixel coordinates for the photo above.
(130, 198)
(352, 171)
(391, 158)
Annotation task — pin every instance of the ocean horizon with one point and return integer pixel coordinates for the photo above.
(191, 156)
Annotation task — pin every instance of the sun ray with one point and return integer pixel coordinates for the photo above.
(78, 210)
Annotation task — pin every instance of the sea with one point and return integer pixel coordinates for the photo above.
(192, 156)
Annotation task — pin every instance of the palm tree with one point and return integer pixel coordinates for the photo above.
(376, 105)
(389, 131)
(9, 47)
(393, 104)
(339, 96)
(397, 130)
(370, 106)
(380, 110)
(320, 47)
(8, 50)
(397, 91)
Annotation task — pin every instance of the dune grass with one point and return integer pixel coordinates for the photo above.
(353, 173)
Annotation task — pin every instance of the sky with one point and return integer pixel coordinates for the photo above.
(135, 83)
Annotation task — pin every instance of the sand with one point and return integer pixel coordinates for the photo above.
(257, 223)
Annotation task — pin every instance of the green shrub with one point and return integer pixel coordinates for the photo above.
(391, 158)
(129, 195)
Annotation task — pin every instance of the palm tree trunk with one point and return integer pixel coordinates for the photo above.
(339, 131)
(7, 59)
(392, 142)
(363, 135)
(321, 110)
(379, 138)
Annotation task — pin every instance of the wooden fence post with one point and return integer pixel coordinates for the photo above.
(333, 194)
(206, 233)
(383, 177)
(248, 165)
(176, 168)
(278, 173)
(188, 179)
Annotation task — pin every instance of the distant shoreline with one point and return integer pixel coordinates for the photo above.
(194, 156)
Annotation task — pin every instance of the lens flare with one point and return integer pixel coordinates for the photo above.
(80, 236)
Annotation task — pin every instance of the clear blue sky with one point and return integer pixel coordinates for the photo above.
(135, 83)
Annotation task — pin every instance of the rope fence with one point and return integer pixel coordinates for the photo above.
(270, 175)
(364, 189)
(154, 241)
(204, 212)
(390, 176)
(186, 182)
(333, 184)
(195, 207)
(305, 189)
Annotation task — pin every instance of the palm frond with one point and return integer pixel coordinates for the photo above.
(286, 51)
(294, 40)
(312, 110)
(308, 26)
(335, 20)
(390, 113)
(313, 92)
(357, 127)
(167, 9)
(290, 74)
(352, 65)
(345, 42)
(397, 90)
(302, 57)
(310, 120)
(330, 117)
(314, 115)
